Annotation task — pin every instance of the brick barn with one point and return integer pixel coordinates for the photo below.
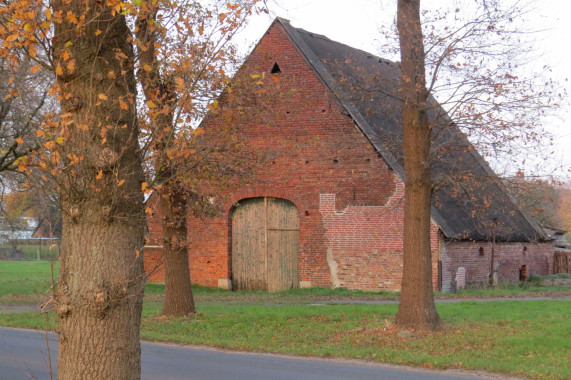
(326, 209)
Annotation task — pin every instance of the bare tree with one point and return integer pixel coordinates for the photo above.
(416, 304)
(540, 198)
(470, 61)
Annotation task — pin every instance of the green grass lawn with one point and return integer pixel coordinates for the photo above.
(26, 281)
(521, 338)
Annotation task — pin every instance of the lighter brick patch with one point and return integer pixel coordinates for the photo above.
(333, 266)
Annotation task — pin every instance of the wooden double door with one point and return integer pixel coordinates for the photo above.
(265, 245)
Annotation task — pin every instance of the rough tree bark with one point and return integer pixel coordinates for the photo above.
(416, 305)
(101, 281)
(179, 300)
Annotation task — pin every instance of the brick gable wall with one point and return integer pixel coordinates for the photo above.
(315, 149)
(349, 201)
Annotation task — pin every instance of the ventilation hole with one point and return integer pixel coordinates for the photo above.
(287, 112)
(307, 213)
(524, 250)
(335, 161)
(307, 161)
(323, 111)
(481, 251)
(275, 69)
(368, 160)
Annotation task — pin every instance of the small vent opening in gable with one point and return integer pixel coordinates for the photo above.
(276, 69)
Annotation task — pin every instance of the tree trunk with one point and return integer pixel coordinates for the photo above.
(416, 304)
(179, 300)
(101, 281)
(491, 281)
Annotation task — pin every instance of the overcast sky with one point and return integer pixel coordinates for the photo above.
(357, 22)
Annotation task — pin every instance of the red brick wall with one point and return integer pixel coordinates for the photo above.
(314, 149)
(207, 266)
(349, 201)
(153, 260)
(510, 258)
(365, 245)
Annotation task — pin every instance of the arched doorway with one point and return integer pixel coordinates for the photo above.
(265, 245)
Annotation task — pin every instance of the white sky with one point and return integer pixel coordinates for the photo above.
(356, 23)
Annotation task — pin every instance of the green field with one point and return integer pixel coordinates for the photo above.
(521, 338)
(26, 281)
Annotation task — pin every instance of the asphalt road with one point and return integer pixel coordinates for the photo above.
(24, 356)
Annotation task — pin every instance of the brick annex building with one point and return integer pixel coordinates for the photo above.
(327, 208)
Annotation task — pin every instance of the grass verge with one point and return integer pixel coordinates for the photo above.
(26, 281)
(521, 338)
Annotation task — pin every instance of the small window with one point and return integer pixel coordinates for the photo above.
(524, 250)
(481, 250)
(276, 69)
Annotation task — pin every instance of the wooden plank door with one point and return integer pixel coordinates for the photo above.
(265, 245)
(249, 245)
(283, 244)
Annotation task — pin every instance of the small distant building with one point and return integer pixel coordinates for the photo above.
(24, 230)
(327, 208)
